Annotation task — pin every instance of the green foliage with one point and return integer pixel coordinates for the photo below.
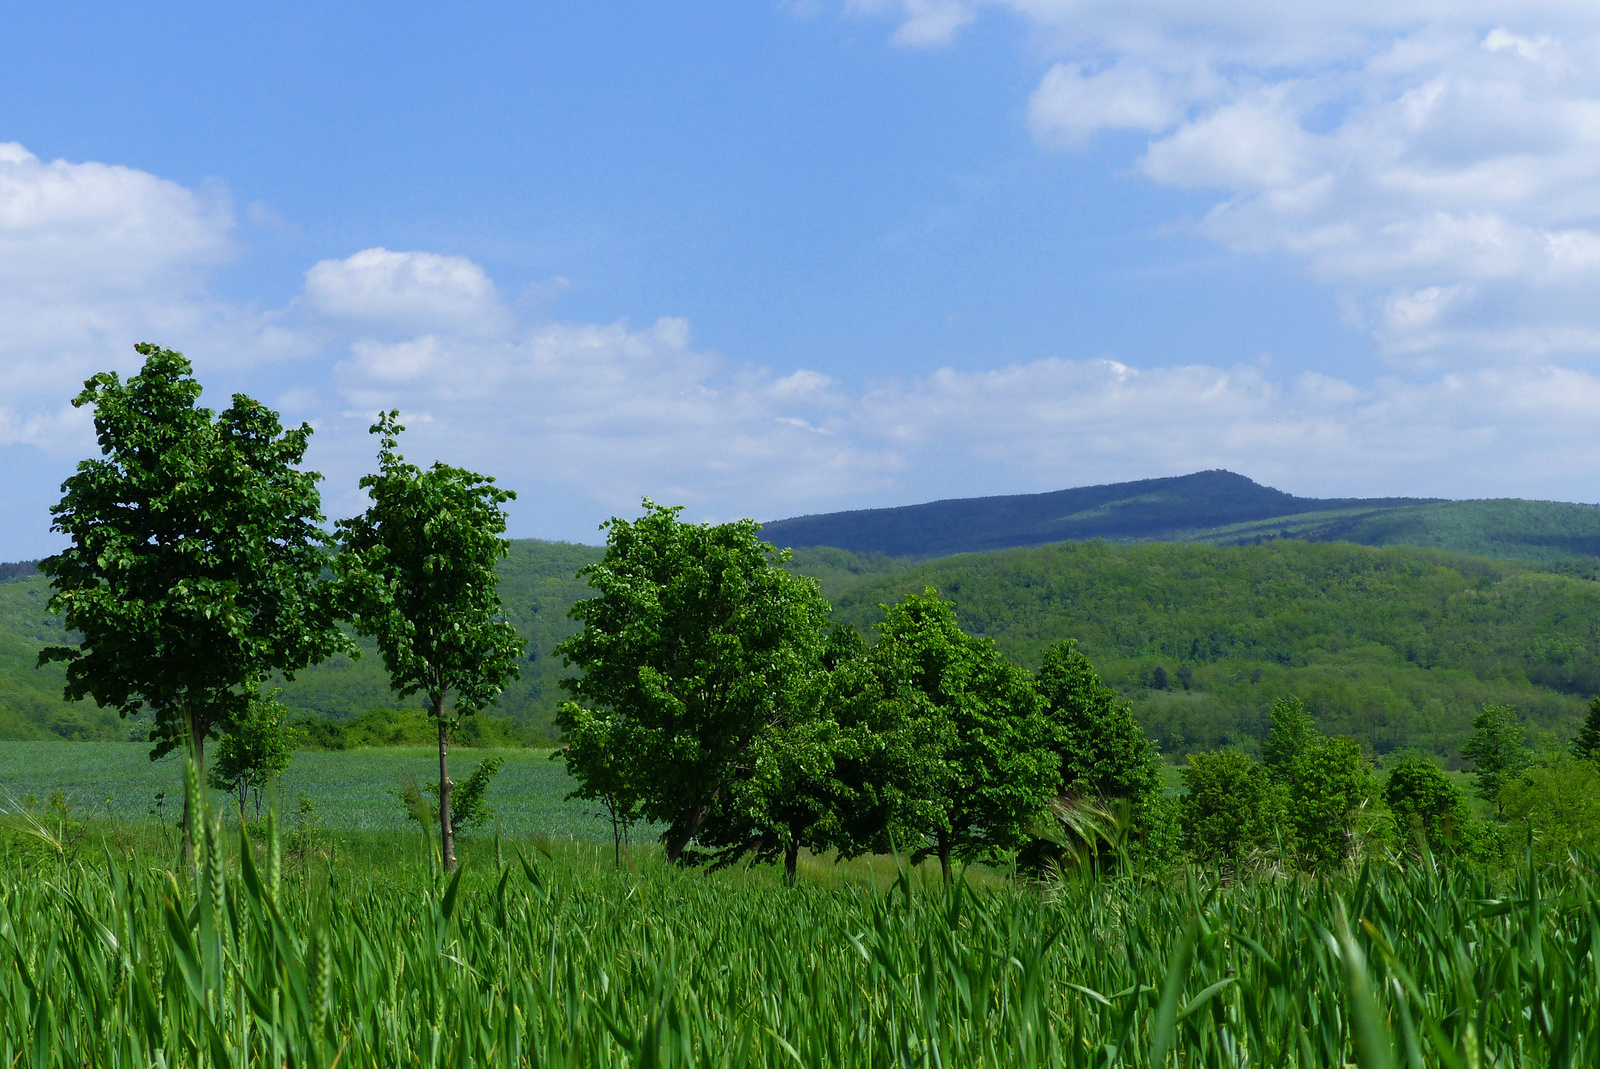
(196, 564)
(1586, 743)
(694, 643)
(403, 727)
(1555, 799)
(1428, 803)
(1331, 793)
(253, 752)
(1102, 752)
(1231, 808)
(469, 806)
(1498, 749)
(1393, 647)
(984, 768)
(1292, 731)
(417, 571)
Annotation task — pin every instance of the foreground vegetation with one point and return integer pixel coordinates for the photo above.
(268, 957)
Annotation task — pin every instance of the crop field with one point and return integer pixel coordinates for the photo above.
(553, 956)
(349, 789)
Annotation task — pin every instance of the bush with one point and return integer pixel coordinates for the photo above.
(468, 805)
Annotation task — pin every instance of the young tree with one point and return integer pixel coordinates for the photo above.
(1331, 790)
(1103, 752)
(1231, 807)
(990, 768)
(196, 564)
(1291, 733)
(1424, 801)
(599, 759)
(1498, 749)
(418, 575)
(254, 751)
(1586, 745)
(695, 643)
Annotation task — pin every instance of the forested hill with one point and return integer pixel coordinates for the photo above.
(1150, 509)
(1396, 646)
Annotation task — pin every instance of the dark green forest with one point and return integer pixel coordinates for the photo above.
(1398, 647)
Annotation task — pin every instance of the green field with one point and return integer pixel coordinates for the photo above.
(358, 954)
(350, 789)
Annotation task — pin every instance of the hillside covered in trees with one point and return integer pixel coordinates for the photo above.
(1398, 647)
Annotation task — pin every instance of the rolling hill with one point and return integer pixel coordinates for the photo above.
(1212, 507)
(1175, 509)
(1398, 646)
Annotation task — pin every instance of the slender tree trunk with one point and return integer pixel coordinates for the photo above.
(944, 855)
(791, 858)
(447, 838)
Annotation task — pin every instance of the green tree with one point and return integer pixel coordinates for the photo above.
(1331, 791)
(1424, 801)
(1230, 809)
(595, 749)
(1586, 744)
(1291, 733)
(695, 643)
(1498, 749)
(1556, 797)
(1102, 751)
(418, 574)
(196, 565)
(254, 751)
(990, 768)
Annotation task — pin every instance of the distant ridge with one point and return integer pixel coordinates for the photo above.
(1180, 508)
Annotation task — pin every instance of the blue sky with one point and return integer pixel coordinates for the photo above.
(773, 258)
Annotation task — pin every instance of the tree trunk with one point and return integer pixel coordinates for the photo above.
(791, 857)
(944, 855)
(447, 837)
(683, 830)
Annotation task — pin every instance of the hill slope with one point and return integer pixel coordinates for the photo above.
(1172, 509)
(1398, 646)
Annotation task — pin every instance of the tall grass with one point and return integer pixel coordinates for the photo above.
(560, 959)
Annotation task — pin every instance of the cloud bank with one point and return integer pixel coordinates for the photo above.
(585, 418)
(1436, 164)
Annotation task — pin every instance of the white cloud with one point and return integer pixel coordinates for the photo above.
(1391, 147)
(396, 292)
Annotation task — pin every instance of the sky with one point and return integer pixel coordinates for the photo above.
(775, 258)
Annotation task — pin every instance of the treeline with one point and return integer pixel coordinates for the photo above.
(718, 697)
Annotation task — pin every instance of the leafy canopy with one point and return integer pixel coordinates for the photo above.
(196, 564)
(418, 573)
(694, 643)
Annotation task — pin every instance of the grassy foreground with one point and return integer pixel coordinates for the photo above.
(553, 956)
